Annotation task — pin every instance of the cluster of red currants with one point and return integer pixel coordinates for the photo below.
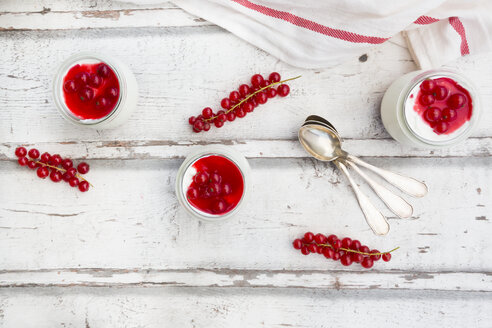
(210, 185)
(49, 165)
(346, 250)
(242, 101)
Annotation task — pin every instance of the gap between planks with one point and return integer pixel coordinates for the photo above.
(166, 149)
(202, 277)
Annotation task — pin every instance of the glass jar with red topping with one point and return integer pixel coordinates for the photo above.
(95, 90)
(431, 109)
(213, 182)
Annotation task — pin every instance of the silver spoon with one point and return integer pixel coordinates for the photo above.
(324, 144)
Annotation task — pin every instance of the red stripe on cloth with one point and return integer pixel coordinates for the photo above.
(424, 20)
(460, 29)
(310, 25)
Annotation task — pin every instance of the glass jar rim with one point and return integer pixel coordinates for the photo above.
(58, 87)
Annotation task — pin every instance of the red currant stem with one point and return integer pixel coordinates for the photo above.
(63, 170)
(354, 251)
(251, 95)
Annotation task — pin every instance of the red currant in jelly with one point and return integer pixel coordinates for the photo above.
(244, 90)
(207, 112)
(283, 90)
(73, 182)
(33, 153)
(386, 257)
(220, 206)
(225, 103)
(428, 86)
(86, 94)
(82, 78)
(201, 178)
(84, 186)
(432, 114)
(83, 168)
(297, 244)
(70, 86)
(67, 163)
(346, 260)
(55, 176)
(113, 93)
(102, 102)
(441, 92)
(43, 172)
(226, 189)
(442, 127)
(274, 77)
(20, 152)
(95, 81)
(103, 70)
(308, 237)
(456, 101)
(192, 193)
(427, 99)
(23, 161)
(256, 80)
(449, 114)
(367, 263)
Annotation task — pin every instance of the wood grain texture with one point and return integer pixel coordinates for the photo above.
(239, 307)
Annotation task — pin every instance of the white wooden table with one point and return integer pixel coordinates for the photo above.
(126, 255)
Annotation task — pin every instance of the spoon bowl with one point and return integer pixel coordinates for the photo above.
(320, 141)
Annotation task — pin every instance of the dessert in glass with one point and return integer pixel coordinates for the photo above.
(431, 109)
(95, 90)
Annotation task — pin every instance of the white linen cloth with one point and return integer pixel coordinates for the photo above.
(323, 33)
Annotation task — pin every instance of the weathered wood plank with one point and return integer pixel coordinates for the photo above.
(239, 307)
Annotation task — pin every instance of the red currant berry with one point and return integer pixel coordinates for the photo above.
(201, 178)
(271, 93)
(231, 116)
(198, 126)
(83, 168)
(95, 81)
(102, 102)
(346, 260)
(55, 160)
(192, 193)
(308, 237)
(441, 92)
(283, 90)
(86, 94)
(207, 112)
(66, 177)
(427, 99)
(43, 172)
(33, 153)
(356, 257)
(332, 238)
(82, 78)
(215, 189)
(336, 256)
(67, 163)
(215, 177)
(274, 77)
(442, 127)
(386, 257)
(206, 126)
(297, 244)
(305, 250)
(103, 70)
(32, 165)
(328, 252)
(192, 120)
(336, 244)
(256, 80)
(261, 97)
(220, 206)
(226, 189)
(456, 101)
(320, 238)
(45, 158)
(83, 186)
(264, 84)
(73, 182)
(364, 249)
(244, 90)
(225, 103)
(221, 117)
(70, 86)
(248, 107)
(234, 96)
(20, 152)
(432, 114)
(313, 248)
(449, 114)
(23, 161)
(346, 242)
(375, 257)
(113, 93)
(367, 263)
(218, 124)
(355, 245)
(240, 113)
(427, 86)
(55, 176)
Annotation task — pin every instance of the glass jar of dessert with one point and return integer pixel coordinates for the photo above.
(213, 182)
(95, 90)
(431, 109)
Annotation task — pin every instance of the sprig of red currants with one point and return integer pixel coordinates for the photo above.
(44, 162)
(346, 250)
(242, 101)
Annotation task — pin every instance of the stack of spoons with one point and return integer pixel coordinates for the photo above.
(321, 140)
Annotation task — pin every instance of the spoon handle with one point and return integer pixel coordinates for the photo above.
(374, 218)
(395, 203)
(406, 184)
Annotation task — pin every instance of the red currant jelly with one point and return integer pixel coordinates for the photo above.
(443, 104)
(91, 91)
(217, 186)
